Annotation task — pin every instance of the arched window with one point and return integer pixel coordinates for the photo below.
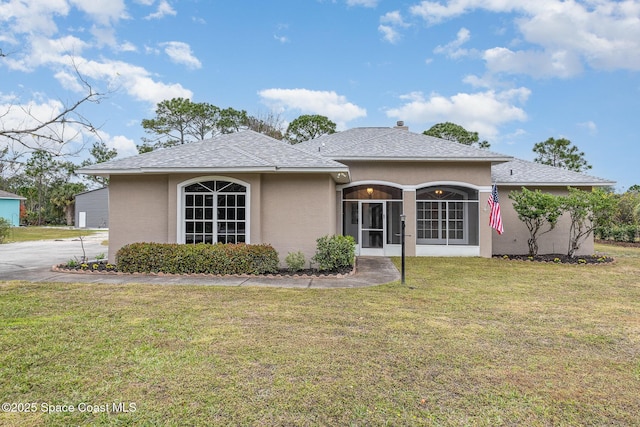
(215, 211)
(447, 215)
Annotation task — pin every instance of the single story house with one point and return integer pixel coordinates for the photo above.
(10, 207)
(92, 209)
(248, 187)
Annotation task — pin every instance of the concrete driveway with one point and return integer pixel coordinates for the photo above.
(23, 260)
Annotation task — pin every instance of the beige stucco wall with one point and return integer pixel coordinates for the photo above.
(138, 210)
(296, 209)
(288, 211)
(414, 173)
(291, 210)
(515, 236)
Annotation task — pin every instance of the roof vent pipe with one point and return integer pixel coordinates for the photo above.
(400, 125)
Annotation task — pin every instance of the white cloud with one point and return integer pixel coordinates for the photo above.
(390, 22)
(389, 33)
(127, 47)
(482, 112)
(46, 51)
(365, 3)
(393, 18)
(125, 146)
(181, 53)
(326, 103)
(135, 80)
(563, 35)
(454, 49)
(164, 9)
(538, 64)
(103, 12)
(434, 12)
(36, 16)
(590, 126)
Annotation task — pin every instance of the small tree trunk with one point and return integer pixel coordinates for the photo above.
(69, 211)
(533, 247)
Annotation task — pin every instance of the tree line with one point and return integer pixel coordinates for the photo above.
(49, 182)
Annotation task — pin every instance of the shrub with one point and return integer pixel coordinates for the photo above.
(539, 211)
(335, 252)
(5, 228)
(295, 261)
(200, 258)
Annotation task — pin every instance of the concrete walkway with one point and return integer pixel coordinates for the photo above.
(32, 262)
(370, 271)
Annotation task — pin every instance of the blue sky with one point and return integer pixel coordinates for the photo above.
(516, 71)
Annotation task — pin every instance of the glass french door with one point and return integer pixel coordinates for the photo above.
(372, 228)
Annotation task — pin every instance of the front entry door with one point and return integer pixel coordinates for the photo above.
(372, 230)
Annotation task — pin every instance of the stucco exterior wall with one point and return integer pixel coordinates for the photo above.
(297, 209)
(10, 210)
(414, 173)
(515, 236)
(138, 210)
(288, 211)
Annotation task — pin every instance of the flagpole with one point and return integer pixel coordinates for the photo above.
(403, 218)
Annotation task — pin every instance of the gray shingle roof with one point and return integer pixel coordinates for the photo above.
(7, 195)
(395, 144)
(522, 172)
(241, 151)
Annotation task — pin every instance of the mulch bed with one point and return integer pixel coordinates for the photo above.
(104, 267)
(560, 258)
(564, 259)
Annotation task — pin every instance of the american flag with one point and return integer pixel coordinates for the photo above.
(495, 217)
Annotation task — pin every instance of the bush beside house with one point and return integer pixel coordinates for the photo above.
(335, 252)
(197, 259)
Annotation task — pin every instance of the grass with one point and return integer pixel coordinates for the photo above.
(24, 234)
(480, 342)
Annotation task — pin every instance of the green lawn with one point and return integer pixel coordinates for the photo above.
(480, 342)
(23, 234)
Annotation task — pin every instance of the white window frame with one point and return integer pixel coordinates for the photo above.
(446, 240)
(180, 194)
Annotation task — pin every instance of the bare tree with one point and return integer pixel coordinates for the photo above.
(269, 123)
(53, 133)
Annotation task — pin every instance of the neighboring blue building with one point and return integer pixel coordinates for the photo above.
(10, 207)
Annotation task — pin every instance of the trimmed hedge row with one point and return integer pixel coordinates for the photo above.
(199, 258)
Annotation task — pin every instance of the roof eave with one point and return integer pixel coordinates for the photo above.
(261, 169)
(556, 184)
(423, 159)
